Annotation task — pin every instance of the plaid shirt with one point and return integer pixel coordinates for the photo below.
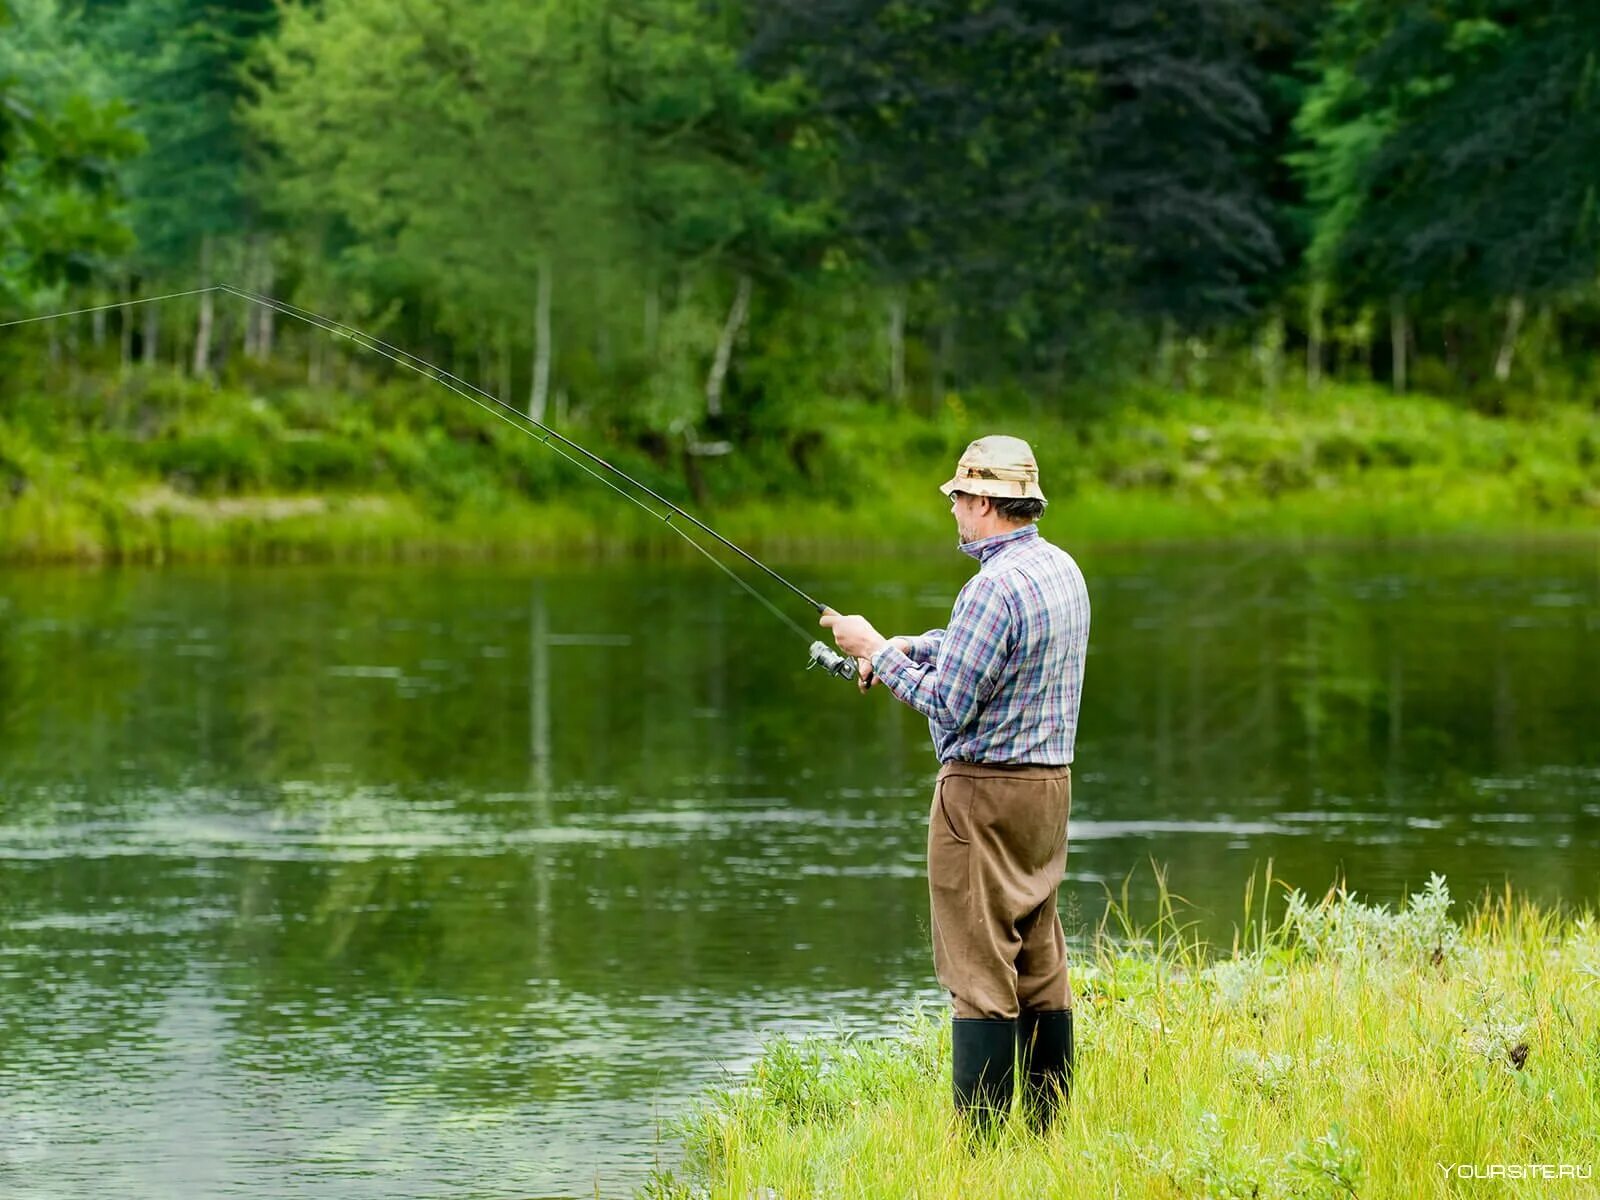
(1002, 683)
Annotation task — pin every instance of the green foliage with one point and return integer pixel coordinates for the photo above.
(1455, 149)
(422, 464)
(1342, 927)
(1348, 1076)
(723, 237)
(60, 208)
(1032, 167)
(180, 64)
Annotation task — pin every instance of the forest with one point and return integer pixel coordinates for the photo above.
(746, 242)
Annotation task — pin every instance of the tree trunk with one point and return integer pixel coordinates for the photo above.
(602, 343)
(1508, 343)
(202, 329)
(1314, 337)
(151, 335)
(125, 328)
(1167, 352)
(504, 388)
(1269, 353)
(652, 319)
(941, 365)
(265, 327)
(897, 347)
(1397, 341)
(97, 326)
(251, 324)
(730, 330)
(540, 392)
(72, 348)
(691, 473)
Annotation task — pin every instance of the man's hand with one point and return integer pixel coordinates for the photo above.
(854, 634)
(868, 677)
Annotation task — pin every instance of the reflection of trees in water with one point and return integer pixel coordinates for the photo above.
(1329, 677)
(712, 806)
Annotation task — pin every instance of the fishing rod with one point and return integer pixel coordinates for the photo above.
(818, 654)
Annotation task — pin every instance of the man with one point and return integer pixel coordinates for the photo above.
(1000, 688)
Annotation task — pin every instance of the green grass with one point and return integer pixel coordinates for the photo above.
(160, 468)
(1340, 1049)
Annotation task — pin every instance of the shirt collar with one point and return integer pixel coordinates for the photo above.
(986, 548)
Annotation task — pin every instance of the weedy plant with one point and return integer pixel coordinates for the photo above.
(1338, 1049)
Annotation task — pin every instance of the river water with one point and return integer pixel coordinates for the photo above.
(440, 882)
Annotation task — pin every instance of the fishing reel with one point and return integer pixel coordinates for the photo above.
(832, 662)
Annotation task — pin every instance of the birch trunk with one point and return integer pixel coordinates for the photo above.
(941, 366)
(540, 393)
(1167, 352)
(897, 347)
(1397, 340)
(202, 329)
(125, 328)
(1314, 336)
(251, 325)
(151, 335)
(97, 326)
(1508, 343)
(1269, 344)
(264, 315)
(504, 388)
(730, 330)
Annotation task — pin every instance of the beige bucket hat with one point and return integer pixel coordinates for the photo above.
(996, 466)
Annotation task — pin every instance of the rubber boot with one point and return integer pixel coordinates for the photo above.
(1044, 1055)
(982, 1050)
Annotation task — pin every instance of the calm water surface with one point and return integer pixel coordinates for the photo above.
(441, 882)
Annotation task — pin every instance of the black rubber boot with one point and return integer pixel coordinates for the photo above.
(1044, 1055)
(982, 1050)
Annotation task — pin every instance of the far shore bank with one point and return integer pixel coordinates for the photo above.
(166, 470)
(342, 529)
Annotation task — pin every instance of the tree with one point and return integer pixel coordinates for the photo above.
(1042, 163)
(530, 166)
(181, 64)
(60, 210)
(1452, 154)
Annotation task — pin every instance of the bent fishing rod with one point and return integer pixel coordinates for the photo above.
(818, 654)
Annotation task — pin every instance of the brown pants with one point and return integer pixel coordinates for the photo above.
(997, 849)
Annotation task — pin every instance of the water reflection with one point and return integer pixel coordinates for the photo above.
(396, 882)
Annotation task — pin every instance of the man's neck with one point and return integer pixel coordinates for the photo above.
(980, 548)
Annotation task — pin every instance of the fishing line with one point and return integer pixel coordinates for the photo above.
(78, 312)
(422, 366)
(464, 389)
(458, 386)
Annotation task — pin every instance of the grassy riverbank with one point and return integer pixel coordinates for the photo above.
(160, 468)
(1342, 1050)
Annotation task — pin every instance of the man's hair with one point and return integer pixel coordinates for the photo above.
(1018, 508)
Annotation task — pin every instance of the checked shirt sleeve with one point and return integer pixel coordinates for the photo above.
(968, 661)
(924, 648)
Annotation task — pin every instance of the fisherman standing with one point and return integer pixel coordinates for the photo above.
(1000, 687)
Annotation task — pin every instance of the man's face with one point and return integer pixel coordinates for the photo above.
(966, 510)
